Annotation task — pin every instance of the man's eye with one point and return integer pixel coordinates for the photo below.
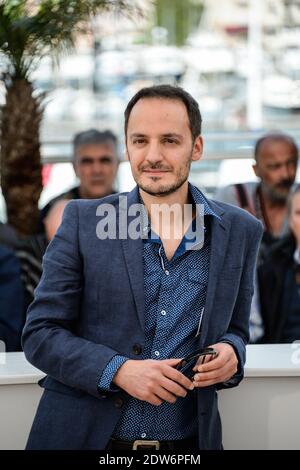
(139, 141)
(170, 141)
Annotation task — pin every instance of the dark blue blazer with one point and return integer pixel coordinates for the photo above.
(89, 306)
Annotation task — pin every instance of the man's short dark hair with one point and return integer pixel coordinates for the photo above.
(276, 137)
(171, 93)
(94, 137)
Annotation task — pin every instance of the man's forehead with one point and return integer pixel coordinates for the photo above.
(158, 116)
(160, 102)
(158, 108)
(94, 150)
(166, 133)
(275, 149)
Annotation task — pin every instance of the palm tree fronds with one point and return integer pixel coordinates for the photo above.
(30, 28)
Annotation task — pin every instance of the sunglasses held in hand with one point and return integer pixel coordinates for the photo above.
(187, 364)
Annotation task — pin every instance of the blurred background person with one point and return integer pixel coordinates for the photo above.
(276, 159)
(30, 250)
(95, 162)
(8, 236)
(54, 217)
(12, 310)
(279, 282)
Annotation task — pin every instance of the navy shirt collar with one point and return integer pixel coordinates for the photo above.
(199, 200)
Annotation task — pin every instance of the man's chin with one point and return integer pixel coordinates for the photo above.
(279, 196)
(97, 194)
(158, 189)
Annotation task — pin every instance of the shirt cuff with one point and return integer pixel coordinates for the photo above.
(105, 382)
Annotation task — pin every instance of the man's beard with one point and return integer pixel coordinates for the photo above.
(164, 189)
(274, 194)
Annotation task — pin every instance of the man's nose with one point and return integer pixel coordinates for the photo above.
(97, 165)
(286, 172)
(154, 153)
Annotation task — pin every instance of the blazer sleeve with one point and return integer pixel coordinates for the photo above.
(48, 339)
(237, 334)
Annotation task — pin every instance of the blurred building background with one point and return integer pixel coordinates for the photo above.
(239, 58)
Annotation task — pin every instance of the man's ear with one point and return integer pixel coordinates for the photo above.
(198, 148)
(75, 168)
(116, 167)
(256, 169)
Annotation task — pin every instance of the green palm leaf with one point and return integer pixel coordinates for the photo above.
(28, 31)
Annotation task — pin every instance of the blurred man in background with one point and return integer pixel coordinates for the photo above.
(8, 236)
(95, 161)
(12, 312)
(280, 275)
(276, 159)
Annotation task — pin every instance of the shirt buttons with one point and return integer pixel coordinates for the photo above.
(156, 353)
(137, 349)
(163, 312)
(143, 435)
(167, 272)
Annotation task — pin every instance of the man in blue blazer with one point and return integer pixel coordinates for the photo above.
(131, 284)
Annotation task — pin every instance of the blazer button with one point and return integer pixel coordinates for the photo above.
(103, 395)
(119, 402)
(137, 349)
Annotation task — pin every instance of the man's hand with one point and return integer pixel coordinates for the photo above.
(153, 381)
(218, 370)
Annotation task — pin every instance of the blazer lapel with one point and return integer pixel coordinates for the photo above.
(133, 253)
(220, 229)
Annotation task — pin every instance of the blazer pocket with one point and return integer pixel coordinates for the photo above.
(48, 383)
